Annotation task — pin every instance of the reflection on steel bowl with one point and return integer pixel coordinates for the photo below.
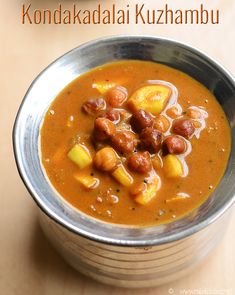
(125, 256)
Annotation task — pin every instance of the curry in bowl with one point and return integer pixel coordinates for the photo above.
(135, 142)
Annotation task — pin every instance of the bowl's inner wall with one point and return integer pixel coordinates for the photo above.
(64, 70)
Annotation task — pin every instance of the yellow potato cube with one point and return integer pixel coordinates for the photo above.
(88, 182)
(122, 176)
(172, 166)
(148, 194)
(80, 156)
(151, 98)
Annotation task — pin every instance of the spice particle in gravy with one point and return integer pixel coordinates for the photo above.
(135, 142)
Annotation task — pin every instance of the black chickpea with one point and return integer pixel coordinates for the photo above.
(140, 120)
(183, 127)
(113, 115)
(124, 142)
(103, 129)
(173, 145)
(140, 162)
(151, 139)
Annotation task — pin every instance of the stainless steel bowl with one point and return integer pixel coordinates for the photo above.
(124, 255)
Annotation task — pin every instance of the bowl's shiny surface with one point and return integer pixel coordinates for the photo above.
(54, 78)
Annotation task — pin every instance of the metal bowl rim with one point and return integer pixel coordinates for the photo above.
(75, 229)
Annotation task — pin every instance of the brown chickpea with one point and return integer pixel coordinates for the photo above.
(116, 96)
(151, 139)
(103, 129)
(183, 127)
(106, 159)
(173, 145)
(140, 120)
(124, 142)
(140, 162)
(93, 106)
(161, 123)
